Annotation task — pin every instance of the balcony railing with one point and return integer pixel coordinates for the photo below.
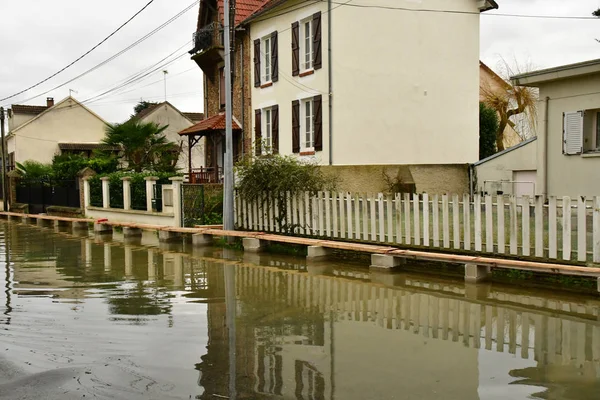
(207, 37)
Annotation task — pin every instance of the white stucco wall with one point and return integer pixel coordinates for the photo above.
(18, 119)
(405, 83)
(503, 167)
(131, 216)
(167, 115)
(568, 175)
(66, 122)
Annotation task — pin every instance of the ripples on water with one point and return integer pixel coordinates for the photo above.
(107, 319)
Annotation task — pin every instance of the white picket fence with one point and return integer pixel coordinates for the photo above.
(563, 228)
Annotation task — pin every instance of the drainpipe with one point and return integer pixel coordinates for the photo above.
(329, 62)
(544, 154)
(243, 78)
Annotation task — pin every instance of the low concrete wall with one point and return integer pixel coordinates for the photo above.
(132, 216)
(58, 211)
(432, 179)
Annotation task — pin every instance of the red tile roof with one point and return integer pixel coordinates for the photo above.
(33, 110)
(265, 6)
(215, 123)
(243, 9)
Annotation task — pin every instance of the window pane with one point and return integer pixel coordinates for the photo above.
(267, 53)
(307, 46)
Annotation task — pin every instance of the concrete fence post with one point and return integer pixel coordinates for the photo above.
(126, 192)
(177, 181)
(105, 192)
(86, 194)
(150, 183)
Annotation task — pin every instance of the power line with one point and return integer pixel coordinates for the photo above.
(142, 39)
(464, 12)
(82, 56)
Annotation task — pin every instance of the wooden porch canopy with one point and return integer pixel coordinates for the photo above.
(213, 127)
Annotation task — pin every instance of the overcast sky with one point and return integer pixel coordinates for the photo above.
(40, 37)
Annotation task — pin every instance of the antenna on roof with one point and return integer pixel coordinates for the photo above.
(165, 72)
(71, 91)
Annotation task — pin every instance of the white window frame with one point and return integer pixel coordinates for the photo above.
(307, 133)
(306, 49)
(267, 130)
(266, 66)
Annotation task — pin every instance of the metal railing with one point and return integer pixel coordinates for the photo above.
(208, 36)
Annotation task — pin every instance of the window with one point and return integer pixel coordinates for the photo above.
(268, 132)
(222, 87)
(307, 45)
(307, 126)
(266, 50)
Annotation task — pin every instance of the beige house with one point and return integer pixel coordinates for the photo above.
(374, 100)
(491, 81)
(167, 114)
(568, 145)
(39, 132)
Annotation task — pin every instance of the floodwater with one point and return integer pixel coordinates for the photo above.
(85, 317)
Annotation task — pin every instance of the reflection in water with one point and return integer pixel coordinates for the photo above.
(211, 322)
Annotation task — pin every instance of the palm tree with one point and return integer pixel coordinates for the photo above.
(144, 146)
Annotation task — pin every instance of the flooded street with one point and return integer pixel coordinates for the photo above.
(112, 319)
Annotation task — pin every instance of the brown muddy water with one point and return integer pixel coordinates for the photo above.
(85, 317)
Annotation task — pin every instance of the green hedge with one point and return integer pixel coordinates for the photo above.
(138, 188)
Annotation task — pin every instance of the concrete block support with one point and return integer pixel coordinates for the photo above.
(61, 224)
(13, 218)
(102, 229)
(598, 284)
(476, 273)
(44, 222)
(131, 232)
(168, 236)
(27, 220)
(318, 252)
(201, 239)
(80, 226)
(254, 245)
(385, 262)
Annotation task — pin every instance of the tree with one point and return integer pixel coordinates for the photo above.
(142, 105)
(488, 128)
(144, 146)
(510, 102)
(596, 13)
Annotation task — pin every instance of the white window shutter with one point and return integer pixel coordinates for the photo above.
(573, 132)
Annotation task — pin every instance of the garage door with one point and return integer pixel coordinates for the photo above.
(524, 183)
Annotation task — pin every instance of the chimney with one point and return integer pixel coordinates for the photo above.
(50, 101)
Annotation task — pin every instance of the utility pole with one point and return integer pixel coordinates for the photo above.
(228, 162)
(4, 191)
(165, 72)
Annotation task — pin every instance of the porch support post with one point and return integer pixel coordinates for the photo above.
(190, 145)
(150, 183)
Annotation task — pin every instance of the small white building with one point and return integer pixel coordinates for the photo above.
(512, 171)
(40, 132)
(392, 84)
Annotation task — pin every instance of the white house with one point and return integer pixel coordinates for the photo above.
(390, 85)
(568, 145)
(167, 114)
(38, 133)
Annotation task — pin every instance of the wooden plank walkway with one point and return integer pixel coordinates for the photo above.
(493, 262)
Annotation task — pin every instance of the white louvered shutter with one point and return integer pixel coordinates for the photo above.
(573, 132)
